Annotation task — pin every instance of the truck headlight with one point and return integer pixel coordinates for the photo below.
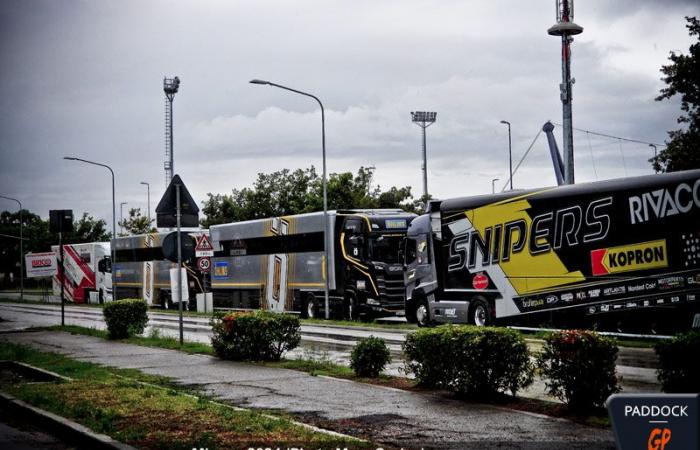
(361, 285)
(371, 301)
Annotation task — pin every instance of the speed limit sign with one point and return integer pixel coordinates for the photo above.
(204, 264)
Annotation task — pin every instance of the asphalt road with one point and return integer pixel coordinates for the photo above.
(635, 366)
(385, 415)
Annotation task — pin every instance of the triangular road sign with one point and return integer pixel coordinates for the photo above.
(204, 244)
(167, 208)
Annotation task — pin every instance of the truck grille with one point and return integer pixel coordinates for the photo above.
(391, 290)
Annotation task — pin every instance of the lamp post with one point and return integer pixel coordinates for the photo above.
(493, 185)
(325, 185)
(114, 215)
(655, 162)
(148, 187)
(170, 86)
(424, 119)
(21, 247)
(510, 153)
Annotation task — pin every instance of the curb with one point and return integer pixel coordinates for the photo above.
(62, 427)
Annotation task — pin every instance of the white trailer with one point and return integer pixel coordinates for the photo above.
(88, 272)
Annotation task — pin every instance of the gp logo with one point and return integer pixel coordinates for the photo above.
(655, 421)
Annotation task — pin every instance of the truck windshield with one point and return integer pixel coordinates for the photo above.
(385, 248)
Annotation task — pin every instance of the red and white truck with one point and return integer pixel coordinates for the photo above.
(88, 272)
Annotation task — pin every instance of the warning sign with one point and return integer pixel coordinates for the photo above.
(625, 258)
(204, 247)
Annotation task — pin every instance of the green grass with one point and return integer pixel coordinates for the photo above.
(159, 416)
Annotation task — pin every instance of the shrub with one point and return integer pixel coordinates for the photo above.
(479, 362)
(680, 369)
(369, 357)
(125, 318)
(255, 336)
(579, 368)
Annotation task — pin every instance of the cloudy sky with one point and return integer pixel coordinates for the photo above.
(84, 78)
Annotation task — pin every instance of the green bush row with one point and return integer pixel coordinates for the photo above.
(125, 318)
(254, 336)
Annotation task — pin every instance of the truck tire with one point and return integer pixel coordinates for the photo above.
(422, 312)
(310, 310)
(411, 313)
(480, 313)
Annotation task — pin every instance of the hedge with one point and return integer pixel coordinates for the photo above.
(579, 368)
(369, 357)
(254, 336)
(125, 318)
(680, 363)
(479, 362)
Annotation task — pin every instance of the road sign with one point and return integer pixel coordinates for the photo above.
(170, 246)
(204, 247)
(204, 264)
(167, 207)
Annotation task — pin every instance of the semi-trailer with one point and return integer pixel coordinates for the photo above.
(278, 263)
(86, 275)
(621, 253)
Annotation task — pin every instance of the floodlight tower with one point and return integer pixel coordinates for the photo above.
(566, 28)
(170, 87)
(424, 119)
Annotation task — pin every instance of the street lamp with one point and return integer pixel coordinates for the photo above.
(114, 216)
(121, 216)
(21, 247)
(493, 185)
(325, 183)
(170, 86)
(655, 162)
(510, 153)
(424, 119)
(148, 187)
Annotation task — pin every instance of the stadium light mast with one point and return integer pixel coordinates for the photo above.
(566, 28)
(424, 119)
(170, 87)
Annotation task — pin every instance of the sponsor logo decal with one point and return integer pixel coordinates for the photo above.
(568, 297)
(533, 303)
(594, 293)
(480, 281)
(551, 299)
(614, 290)
(664, 202)
(625, 258)
(655, 421)
(670, 282)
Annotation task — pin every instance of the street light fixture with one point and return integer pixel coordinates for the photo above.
(114, 216)
(493, 185)
(326, 288)
(655, 163)
(21, 247)
(510, 153)
(424, 119)
(148, 187)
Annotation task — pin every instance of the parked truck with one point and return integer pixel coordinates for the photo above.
(278, 263)
(142, 271)
(622, 253)
(87, 268)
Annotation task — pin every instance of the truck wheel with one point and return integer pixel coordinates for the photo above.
(423, 313)
(480, 313)
(351, 308)
(310, 310)
(411, 313)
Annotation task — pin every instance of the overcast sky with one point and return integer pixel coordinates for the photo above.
(84, 78)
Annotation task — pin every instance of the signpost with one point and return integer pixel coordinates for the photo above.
(177, 208)
(61, 221)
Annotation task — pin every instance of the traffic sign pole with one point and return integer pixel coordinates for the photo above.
(179, 260)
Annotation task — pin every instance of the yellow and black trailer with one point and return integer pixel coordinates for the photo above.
(624, 251)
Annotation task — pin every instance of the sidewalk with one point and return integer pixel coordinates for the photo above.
(384, 415)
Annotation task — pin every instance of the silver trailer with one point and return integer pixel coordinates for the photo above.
(278, 263)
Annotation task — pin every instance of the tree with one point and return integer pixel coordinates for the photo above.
(89, 229)
(682, 77)
(300, 191)
(136, 223)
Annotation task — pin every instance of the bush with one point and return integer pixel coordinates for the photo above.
(369, 357)
(579, 368)
(256, 336)
(478, 362)
(680, 369)
(125, 318)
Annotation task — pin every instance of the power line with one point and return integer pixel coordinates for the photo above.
(613, 137)
(523, 158)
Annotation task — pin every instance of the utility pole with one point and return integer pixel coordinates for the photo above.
(21, 247)
(566, 28)
(170, 87)
(424, 119)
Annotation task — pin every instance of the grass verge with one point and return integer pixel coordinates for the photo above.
(152, 416)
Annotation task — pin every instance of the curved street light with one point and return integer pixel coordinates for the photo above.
(325, 188)
(21, 247)
(114, 215)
